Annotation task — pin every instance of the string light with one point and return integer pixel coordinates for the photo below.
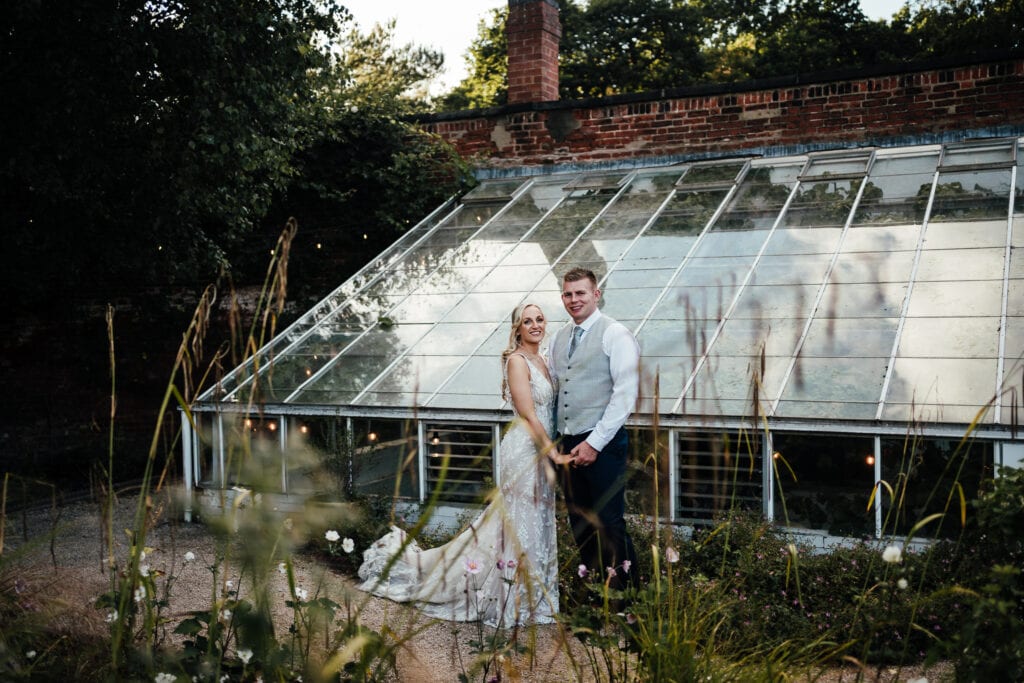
(870, 460)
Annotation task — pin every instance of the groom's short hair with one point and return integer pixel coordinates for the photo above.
(580, 274)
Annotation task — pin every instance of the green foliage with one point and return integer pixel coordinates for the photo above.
(620, 46)
(144, 139)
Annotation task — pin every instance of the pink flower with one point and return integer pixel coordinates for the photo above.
(626, 564)
(671, 555)
(582, 571)
(511, 564)
(501, 564)
(473, 565)
(611, 572)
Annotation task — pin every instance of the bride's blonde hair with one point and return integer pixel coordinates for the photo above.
(513, 343)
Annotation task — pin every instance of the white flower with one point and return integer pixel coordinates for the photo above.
(245, 656)
(31, 654)
(225, 614)
(142, 555)
(301, 594)
(902, 584)
(348, 545)
(281, 568)
(144, 570)
(332, 536)
(229, 584)
(671, 555)
(140, 594)
(165, 678)
(892, 554)
(190, 556)
(626, 564)
(473, 565)
(111, 616)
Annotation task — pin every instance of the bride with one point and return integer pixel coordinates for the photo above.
(503, 568)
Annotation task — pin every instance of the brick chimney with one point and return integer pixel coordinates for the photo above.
(533, 31)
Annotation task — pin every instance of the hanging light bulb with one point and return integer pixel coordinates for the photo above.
(870, 460)
(272, 426)
(436, 439)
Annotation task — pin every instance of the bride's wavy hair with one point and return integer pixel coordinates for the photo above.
(513, 343)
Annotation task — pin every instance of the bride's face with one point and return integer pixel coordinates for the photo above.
(533, 326)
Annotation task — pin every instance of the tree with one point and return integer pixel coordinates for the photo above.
(143, 139)
(940, 27)
(487, 57)
(620, 46)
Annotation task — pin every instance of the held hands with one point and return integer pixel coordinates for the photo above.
(583, 454)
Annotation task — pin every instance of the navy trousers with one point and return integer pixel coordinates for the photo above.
(595, 497)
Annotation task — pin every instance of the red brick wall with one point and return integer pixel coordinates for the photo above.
(533, 30)
(924, 104)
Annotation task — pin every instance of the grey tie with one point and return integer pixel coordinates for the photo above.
(577, 332)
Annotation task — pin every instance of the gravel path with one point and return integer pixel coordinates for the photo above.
(69, 565)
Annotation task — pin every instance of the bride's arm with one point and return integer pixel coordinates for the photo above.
(522, 399)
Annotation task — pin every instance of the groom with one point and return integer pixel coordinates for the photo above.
(595, 365)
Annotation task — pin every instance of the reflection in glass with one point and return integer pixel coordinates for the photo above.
(974, 195)
(928, 473)
(824, 482)
(897, 190)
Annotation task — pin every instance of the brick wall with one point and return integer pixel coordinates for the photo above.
(533, 30)
(925, 103)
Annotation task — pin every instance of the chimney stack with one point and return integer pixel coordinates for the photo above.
(533, 30)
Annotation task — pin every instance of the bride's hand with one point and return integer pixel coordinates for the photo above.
(559, 458)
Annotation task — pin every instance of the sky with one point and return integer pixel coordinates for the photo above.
(450, 25)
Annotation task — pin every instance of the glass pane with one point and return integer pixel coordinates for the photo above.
(897, 190)
(868, 267)
(949, 338)
(862, 300)
(974, 152)
(882, 238)
(732, 378)
(497, 189)
(423, 308)
(931, 299)
(822, 203)
(965, 234)
(827, 410)
(673, 338)
(629, 303)
(460, 463)
(972, 196)
(512, 278)
(742, 337)
(686, 303)
(819, 240)
(832, 477)
(418, 375)
(768, 302)
(712, 173)
(856, 380)
(791, 269)
(627, 278)
(687, 215)
(825, 166)
(940, 381)
(476, 384)
(933, 471)
(850, 338)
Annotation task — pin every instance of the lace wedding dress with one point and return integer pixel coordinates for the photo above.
(503, 568)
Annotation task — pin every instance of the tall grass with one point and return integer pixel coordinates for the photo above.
(736, 600)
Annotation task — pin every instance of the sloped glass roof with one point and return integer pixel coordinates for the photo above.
(859, 285)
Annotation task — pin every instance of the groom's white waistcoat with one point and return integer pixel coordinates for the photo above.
(585, 381)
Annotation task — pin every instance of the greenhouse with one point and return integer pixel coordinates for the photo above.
(809, 323)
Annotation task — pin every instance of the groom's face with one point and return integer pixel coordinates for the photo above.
(580, 299)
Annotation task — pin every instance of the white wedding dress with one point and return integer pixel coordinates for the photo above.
(503, 568)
